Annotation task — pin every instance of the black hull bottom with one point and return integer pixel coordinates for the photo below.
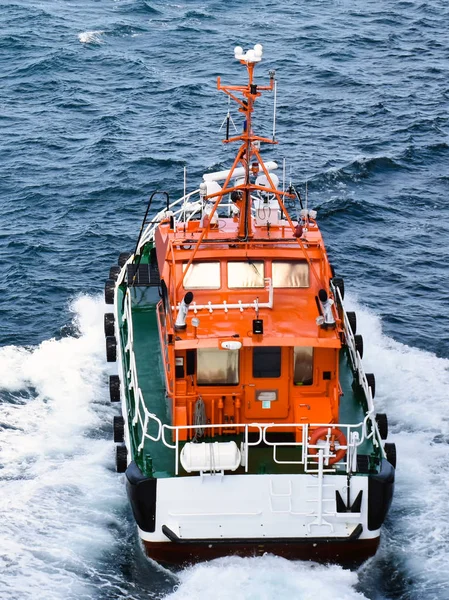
(345, 553)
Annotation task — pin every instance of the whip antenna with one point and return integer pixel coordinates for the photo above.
(283, 175)
(307, 197)
(272, 74)
(185, 193)
(228, 120)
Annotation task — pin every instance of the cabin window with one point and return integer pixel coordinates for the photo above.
(290, 274)
(217, 367)
(202, 276)
(303, 365)
(267, 361)
(248, 274)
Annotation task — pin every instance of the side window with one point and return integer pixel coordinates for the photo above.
(267, 361)
(303, 365)
(217, 367)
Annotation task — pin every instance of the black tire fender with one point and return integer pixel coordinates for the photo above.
(109, 324)
(382, 425)
(111, 348)
(118, 426)
(338, 282)
(371, 380)
(121, 458)
(352, 318)
(114, 388)
(114, 272)
(109, 291)
(123, 257)
(390, 451)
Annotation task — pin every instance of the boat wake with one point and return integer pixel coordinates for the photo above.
(58, 524)
(57, 521)
(411, 387)
(265, 578)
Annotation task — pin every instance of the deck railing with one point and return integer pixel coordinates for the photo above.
(184, 210)
(355, 434)
(309, 453)
(140, 412)
(359, 371)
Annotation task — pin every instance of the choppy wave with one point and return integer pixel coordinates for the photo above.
(411, 387)
(54, 436)
(91, 37)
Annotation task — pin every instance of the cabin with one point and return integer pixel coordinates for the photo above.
(253, 345)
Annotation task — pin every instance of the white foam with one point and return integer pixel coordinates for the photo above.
(412, 387)
(411, 384)
(265, 578)
(59, 495)
(91, 37)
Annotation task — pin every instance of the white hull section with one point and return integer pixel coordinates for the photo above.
(249, 507)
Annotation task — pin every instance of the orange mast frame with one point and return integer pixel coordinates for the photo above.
(246, 152)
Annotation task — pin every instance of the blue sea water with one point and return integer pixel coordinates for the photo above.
(104, 102)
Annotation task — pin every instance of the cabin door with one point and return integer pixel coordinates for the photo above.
(266, 383)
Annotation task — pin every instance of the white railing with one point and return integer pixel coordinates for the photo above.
(355, 435)
(148, 233)
(182, 210)
(145, 418)
(237, 305)
(357, 366)
(141, 413)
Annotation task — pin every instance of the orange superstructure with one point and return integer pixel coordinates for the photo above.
(254, 346)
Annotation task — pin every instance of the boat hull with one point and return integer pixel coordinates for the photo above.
(346, 553)
(190, 519)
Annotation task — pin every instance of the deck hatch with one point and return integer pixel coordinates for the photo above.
(143, 274)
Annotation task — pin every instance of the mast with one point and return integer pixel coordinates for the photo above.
(248, 156)
(248, 149)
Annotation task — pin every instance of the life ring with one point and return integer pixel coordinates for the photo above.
(336, 437)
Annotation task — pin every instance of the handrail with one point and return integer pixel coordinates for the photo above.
(189, 209)
(150, 229)
(348, 465)
(357, 366)
(139, 403)
(367, 429)
(237, 305)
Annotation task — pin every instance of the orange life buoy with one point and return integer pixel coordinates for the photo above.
(336, 437)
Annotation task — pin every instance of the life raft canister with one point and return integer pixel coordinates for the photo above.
(336, 437)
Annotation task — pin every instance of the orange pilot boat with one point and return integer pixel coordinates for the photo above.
(248, 423)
